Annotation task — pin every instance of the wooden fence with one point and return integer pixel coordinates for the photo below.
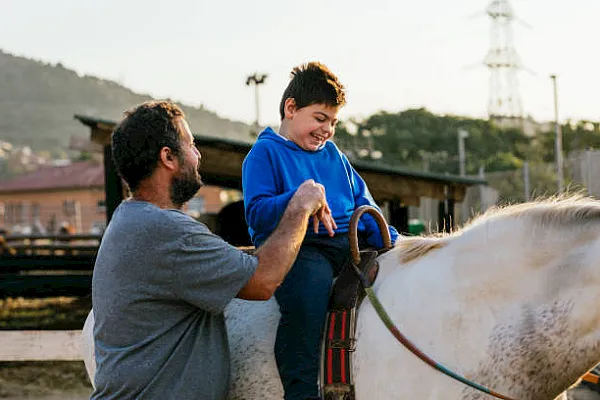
(41, 345)
(47, 265)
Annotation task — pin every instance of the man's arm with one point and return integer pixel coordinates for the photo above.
(278, 252)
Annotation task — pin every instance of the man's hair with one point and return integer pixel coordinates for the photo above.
(138, 138)
(313, 83)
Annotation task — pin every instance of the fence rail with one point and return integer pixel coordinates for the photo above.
(50, 265)
(41, 345)
(56, 237)
(47, 265)
(41, 286)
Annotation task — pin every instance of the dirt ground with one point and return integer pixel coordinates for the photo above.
(67, 380)
(44, 380)
(583, 393)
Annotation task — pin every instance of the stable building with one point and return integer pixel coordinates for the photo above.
(393, 188)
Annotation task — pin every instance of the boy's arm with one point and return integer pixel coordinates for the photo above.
(362, 197)
(264, 206)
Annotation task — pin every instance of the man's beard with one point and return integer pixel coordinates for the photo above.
(185, 186)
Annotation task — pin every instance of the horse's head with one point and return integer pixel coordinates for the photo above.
(522, 282)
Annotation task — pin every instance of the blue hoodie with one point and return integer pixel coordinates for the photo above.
(276, 167)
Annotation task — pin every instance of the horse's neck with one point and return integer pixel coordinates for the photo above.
(428, 301)
(492, 315)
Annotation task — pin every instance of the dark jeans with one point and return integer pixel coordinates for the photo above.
(303, 298)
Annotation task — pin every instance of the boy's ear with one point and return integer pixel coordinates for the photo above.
(289, 107)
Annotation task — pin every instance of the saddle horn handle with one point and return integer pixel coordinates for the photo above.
(353, 230)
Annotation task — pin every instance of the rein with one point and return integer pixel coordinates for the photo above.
(383, 315)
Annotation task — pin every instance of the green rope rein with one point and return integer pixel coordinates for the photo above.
(385, 318)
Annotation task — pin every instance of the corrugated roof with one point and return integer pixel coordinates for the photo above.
(360, 165)
(78, 175)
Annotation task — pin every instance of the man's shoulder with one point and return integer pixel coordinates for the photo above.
(147, 216)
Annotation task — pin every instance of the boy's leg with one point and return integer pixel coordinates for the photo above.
(303, 299)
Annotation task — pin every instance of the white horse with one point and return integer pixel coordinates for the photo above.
(511, 302)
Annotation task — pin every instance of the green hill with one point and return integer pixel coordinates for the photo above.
(38, 101)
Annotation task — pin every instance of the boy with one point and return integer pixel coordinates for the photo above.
(276, 165)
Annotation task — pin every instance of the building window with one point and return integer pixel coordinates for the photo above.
(98, 227)
(101, 207)
(16, 213)
(8, 216)
(69, 208)
(35, 211)
(196, 206)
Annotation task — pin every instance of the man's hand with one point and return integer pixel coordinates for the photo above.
(310, 196)
(277, 253)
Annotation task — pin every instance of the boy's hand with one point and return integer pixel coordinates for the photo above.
(311, 196)
(324, 215)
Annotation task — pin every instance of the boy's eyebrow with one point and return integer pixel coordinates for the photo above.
(324, 114)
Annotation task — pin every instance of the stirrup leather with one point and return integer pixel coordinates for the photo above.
(338, 343)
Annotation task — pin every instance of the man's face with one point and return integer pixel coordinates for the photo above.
(187, 182)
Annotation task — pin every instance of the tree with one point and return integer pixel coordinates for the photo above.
(419, 139)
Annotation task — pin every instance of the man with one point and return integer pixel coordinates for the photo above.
(162, 280)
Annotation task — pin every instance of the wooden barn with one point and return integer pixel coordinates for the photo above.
(394, 188)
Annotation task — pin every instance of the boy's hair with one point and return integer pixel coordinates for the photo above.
(138, 138)
(313, 83)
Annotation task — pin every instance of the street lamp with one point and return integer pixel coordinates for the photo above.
(256, 80)
(557, 139)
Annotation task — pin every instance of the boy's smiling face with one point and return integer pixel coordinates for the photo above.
(311, 126)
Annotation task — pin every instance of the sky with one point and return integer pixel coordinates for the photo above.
(390, 54)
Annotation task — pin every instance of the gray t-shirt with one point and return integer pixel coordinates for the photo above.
(160, 285)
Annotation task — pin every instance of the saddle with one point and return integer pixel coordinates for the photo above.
(338, 342)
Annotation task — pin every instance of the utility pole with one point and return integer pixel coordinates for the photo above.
(256, 80)
(557, 139)
(526, 188)
(462, 135)
(588, 171)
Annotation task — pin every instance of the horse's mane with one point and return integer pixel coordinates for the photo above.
(563, 211)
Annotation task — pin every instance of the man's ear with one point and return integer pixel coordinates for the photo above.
(167, 158)
(289, 107)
